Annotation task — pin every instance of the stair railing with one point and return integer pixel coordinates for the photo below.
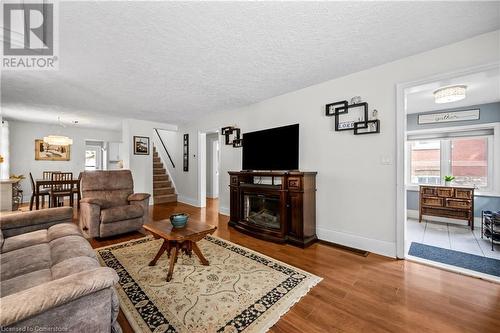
(164, 147)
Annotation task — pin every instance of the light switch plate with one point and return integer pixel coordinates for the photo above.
(386, 160)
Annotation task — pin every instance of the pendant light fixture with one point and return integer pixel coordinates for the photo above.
(450, 94)
(58, 140)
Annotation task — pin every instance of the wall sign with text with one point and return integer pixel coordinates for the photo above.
(444, 117)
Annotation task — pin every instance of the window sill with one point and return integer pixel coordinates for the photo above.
(415, 188)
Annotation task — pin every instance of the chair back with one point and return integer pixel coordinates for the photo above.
(111, 186)
(61, 176)
(47, 175)
(32, 181)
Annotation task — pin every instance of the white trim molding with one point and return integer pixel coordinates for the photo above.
(383, 248)
(187, 200)
(401, 140)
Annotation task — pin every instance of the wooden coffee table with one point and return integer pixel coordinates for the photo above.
(179, 239)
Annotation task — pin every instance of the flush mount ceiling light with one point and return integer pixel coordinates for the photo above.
(58, 140)
(449, 94)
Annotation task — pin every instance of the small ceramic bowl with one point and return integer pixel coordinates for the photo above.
(179, 220)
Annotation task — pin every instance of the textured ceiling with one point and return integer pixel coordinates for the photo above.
(173, 62)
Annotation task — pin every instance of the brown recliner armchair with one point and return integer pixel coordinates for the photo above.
(109, 205)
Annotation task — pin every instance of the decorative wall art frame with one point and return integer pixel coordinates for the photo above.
(353, 117)
(46, 152)
(445, 117)
(232, 136)
(141, 145)
(185, 152)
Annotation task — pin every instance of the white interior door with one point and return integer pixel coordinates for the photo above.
(215, 168)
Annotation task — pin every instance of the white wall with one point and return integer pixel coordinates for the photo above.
(211, 159)
(356, 193)
(22, 149)
(140, 165)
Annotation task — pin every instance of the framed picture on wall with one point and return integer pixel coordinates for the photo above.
(141, 145)
(46, 152)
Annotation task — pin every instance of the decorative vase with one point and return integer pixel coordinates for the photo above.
(179, 220)
(447, 183)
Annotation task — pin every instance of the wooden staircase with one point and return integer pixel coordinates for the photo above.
(163, 190)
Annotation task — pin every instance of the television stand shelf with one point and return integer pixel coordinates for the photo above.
(283, 211)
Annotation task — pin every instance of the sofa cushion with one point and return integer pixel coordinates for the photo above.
(121, 213)
(25, 260)
(24, 240)
(69, 247)
(73, 265)
(62, 230)
(25, 281)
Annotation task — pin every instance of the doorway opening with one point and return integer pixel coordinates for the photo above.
(95, 158)
(209, 168)
(441, 223)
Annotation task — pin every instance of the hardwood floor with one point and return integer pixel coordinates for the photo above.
(361, 294)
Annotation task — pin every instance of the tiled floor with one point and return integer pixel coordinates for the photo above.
(450, 236)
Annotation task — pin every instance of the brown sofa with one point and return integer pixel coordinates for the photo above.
(109, 206)
(51, 279)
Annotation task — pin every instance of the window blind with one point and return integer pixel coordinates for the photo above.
(450, 135)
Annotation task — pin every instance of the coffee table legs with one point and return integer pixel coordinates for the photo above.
(187, 246)
(196, 250)
(164, 247)
(173, 259)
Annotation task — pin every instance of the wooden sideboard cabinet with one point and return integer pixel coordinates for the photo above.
(447, 201)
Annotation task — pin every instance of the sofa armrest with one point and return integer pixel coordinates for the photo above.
(94, 201)
(23, 222)
(33, 301)
(138, 196)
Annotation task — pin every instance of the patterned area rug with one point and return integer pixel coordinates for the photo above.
(241, 290)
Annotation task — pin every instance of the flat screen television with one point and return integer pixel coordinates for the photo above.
(272, 149)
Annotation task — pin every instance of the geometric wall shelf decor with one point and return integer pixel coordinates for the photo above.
(233, 136)
(185, 153)
(331, 108)
(237, 143)
(346, 116)
(353, 117)
(369, 127)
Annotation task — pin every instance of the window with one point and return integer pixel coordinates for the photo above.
(90, 160)
(425, 163)
(468, 159)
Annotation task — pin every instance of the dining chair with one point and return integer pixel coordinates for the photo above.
(47, 175)
(76, 190)
(59, 189)
(42, 193)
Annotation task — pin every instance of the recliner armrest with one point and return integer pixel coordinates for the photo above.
(138, 196)
(93, 201)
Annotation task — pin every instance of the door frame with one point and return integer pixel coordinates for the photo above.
(202, 165)
(401, 159)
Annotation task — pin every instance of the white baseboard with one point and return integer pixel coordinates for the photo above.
(188, 201)
(414, 214)
(384, 248)
(224, 210)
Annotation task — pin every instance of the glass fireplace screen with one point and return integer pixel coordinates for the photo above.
(262, 210)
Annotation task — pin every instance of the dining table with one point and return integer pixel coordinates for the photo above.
(39, 183)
